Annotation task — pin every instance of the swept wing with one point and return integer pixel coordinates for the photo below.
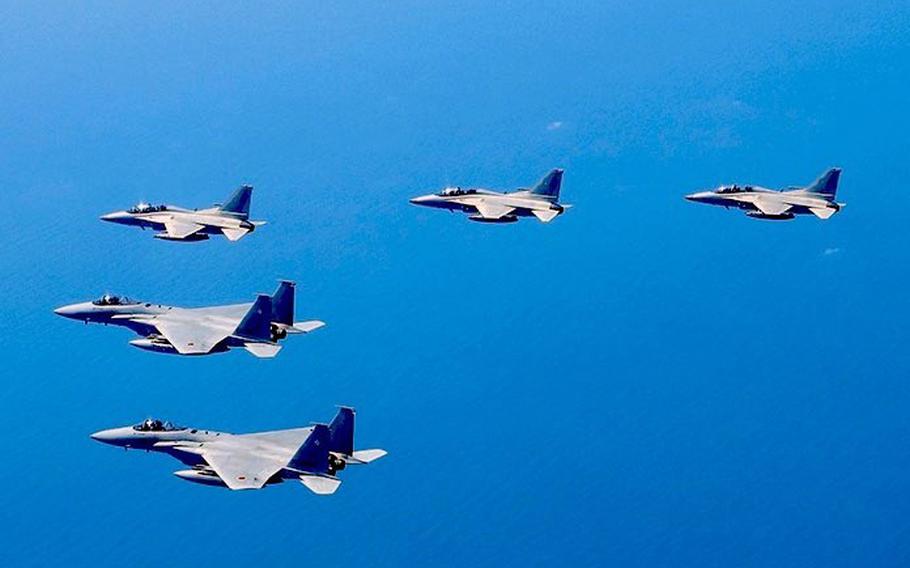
(489, 209)
(181, 229)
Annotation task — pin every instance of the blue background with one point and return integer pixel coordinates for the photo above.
(643, 382)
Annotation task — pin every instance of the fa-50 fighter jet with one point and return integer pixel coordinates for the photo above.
(189, 225)
(816, 199)
(256, 327)
(486, 206)
(312, 455)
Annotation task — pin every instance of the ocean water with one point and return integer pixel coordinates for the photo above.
(642, 382)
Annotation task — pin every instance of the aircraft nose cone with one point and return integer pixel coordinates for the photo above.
(699, 196)
(422, 199)
(121, 437)
(67, 311)
(114, 217)
(104, 436)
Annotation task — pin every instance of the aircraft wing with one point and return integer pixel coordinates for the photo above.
(181, 229)
(190, 338)
(248, 461)
(284, 442)
(491, 209)
(241, 470)
(771, 206)
(230, 311)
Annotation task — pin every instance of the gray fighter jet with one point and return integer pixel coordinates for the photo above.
(256, 327)
(189, 225)
(312, 455)
(486, 206)
(760, 203)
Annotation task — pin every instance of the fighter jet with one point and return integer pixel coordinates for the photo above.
(778, 205)
(256, 327)
(191, 225)
(312, 455)
(486, 206)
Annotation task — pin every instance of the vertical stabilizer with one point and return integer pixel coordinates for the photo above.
(313, 455)
(341, 431)
(549, 185)
(826, 184)
(283, 303)
(256, 324)
(239, 202)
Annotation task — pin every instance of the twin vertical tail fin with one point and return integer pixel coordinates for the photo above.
(239, 202)
(549, 185)
(327, 450)
(826, 184)
(256, 324)
(312, 462)
(283, 312)
(313, 455)
(341, 431)
(283, 303)
(341, 440)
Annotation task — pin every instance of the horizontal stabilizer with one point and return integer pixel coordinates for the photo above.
(545, 215)
(823, 212)
(234, 234)
(263, 350)
(364, 456)
(320, 484)
(305, 326)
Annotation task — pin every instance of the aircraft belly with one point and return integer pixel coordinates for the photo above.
(185, 457)
(139, 328)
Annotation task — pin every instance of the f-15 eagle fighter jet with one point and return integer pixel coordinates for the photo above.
(760, 203)
(189, 225)
(256, 327)
(312, 455)
(487, 206)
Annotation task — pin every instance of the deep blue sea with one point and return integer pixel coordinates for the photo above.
(642, 382)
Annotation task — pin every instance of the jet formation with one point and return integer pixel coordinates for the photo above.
(487, 206)
(817, 199)
(312, 455)
(256, 327)
(175, 223)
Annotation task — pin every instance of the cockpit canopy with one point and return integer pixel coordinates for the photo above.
(147, 208)
(733, 188)
(110, 300)
(453, 191)
(155, 425)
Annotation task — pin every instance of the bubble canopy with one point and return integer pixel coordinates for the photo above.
(155, 425)
(733, 189)
(452, 191)
(111, 300)
(147, 208)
